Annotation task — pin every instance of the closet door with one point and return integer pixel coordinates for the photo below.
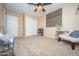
(30, 26)
(12, 25)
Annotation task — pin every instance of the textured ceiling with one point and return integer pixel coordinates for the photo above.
(26, 8)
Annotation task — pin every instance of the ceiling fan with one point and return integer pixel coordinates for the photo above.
(39, 6)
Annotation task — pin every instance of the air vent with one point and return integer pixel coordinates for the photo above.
(77, 10)
(78, 7)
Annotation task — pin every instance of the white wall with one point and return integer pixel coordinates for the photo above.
(2, 19)
(69, 21)
(30, 26)
(41, 22)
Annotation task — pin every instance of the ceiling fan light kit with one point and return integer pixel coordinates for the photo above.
(39, 6)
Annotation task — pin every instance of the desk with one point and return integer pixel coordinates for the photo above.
(59, 33)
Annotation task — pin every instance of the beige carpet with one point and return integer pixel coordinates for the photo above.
(41, 46)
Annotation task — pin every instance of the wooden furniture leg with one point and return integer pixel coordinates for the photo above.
(73, 46)
(59, 39)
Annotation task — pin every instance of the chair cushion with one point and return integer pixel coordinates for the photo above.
(74, 34)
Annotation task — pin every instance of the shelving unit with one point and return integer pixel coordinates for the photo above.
(40, 31)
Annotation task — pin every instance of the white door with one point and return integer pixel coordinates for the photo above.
(30, 26)
(12, 25)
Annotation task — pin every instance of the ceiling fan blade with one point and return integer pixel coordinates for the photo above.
(31, 4)
(35, 10)
(43, 10)
(46, 4)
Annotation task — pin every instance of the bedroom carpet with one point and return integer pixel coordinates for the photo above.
(42, 46)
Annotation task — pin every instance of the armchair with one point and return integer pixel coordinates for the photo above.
(72, 37)
(7, 45)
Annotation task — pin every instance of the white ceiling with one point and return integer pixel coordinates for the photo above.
(26, 8)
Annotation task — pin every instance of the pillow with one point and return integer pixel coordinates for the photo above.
(3, 38)
(74, 34)
(1, 35)
(9, 37)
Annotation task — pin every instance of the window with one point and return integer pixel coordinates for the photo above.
(54, 18)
